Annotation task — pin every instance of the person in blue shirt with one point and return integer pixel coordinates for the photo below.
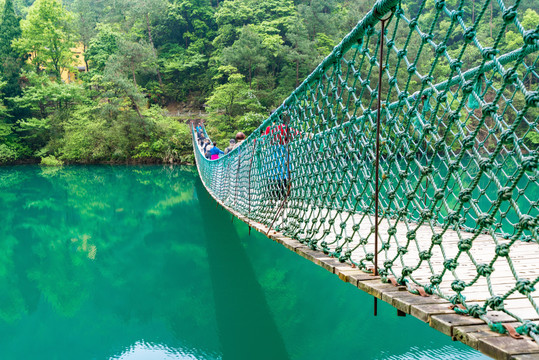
(215, 152)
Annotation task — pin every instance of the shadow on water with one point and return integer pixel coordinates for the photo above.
(247, 328)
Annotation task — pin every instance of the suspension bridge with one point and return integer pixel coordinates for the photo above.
(419, 188)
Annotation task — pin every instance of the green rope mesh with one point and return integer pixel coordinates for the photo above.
(459, 177)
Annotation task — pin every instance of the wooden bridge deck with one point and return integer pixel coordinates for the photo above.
(524, 257)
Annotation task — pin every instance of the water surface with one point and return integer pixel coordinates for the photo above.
(102, 262)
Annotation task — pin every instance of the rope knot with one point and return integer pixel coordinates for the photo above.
(489, 53)
(440, 4)
(452, 217)
(426, 79)
(435, 279)
(495, 303)
(426, 37)
(453, 165)
(528, 328)
(440, 49)
(465, 244)
(442, 97)
(524, 286)
(410, 235)
(426, 213)
(530, 37)
(403, 95)
(489, 109)
(406, 271)
(465, 195)
(532, 99)
(484, 269)
(476, 311)
(468, 86)
(505, 193)
(529, 163)
(469, 34)
(484, 220)
(439, 195)
(456, 14)
(450, 264)
(507, 136)
(425, 255)
(526, 222)
(455, 64)
(503, 250)
(436, 239)
(402, 250)
(458, 286)
(510, 76)
(509, 15)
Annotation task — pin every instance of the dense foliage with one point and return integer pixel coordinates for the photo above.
(236, 59)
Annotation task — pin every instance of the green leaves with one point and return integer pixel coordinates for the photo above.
(48, 36)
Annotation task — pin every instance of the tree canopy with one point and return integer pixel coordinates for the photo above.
(144, 61)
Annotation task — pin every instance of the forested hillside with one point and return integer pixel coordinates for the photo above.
(236, 59)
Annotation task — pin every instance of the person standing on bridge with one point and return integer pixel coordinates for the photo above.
(240, 137)
(200, 136)
(215, 152)
(231, 146)
(279, 137)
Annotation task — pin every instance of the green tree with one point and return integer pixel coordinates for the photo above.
(300, 52)
(48, 35)
(247, 53)
(10, 61)
(230, 101)
(101, 47)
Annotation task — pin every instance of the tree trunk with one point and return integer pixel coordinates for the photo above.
(135, 106)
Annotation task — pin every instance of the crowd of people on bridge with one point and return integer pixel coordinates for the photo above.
(276, 163)
(210, 150)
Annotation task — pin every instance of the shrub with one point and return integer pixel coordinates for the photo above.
(51, 161)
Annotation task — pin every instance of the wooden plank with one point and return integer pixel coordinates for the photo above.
(470, 335)
(424, 311)
(404, 301)
(445, 323)
(505, 347)
(361, 276)
(525, 357)
(377, 288)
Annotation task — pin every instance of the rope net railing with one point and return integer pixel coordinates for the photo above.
(458, 188)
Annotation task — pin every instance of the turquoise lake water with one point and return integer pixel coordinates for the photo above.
(102, 262)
